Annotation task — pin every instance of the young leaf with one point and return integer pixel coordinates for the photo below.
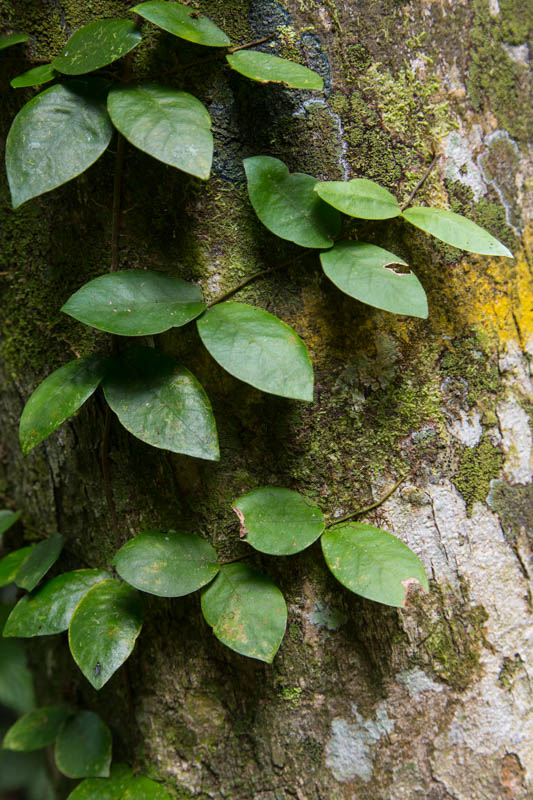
(372, 563)
(34, 77)
(287, 204)
(162, 403)
(183, 22)
(278, 521)
(363, 271)
(96, 45)
(169, 125)
(16, 680)
(112, 788)
(12, 38)
(104, 628)
(49, 609)
(8, 519)
(83, 747)
(135, 303)
(456, 230)
(266, 68)
(167, 563)
(359, 198)
(37, 729)
(10, 564)
(55, 137)
(43, 556)
(246, 611)
(142, 788)
(58, 397)
(258, 348)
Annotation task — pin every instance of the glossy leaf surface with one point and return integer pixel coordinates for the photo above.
(246, 611)
(83, 747)
(184, 22)
(43, 556)
(16, 680)
(367, 273)
(58, 397)
(135, 303)
(258, 348)
(266, 68)
(142, 788)
(111, 788)
(12, 38)
(10, 564)
(167, 563)
(104, 628)
(96, 45)
(372, 563)
(49, 608)
(359, 198)
(37, 729)
(34, 77)
(169, 125)
(8, 519)
(55, 137)
(456, 230)
(288, 205)
(278, 521)
(162, 403)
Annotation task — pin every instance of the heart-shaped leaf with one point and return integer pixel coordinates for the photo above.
(372, 563)
(112, 788)
(12, 38)
(8, 519)
(266, 68)
(10, 564)
(246, 611)
(16, 680)
(34, 77)
(359, 198)
(169, 125)
(96, 45)
(43, 556)
(258, 348)
(288, 205)
(456, 230)
(49, 609)
(83, 747)
(162, 403)
(37, 729)
(135, 303)
(58, 397)
(363, 271)
(55, 137)
(278, 521)
(104, 628)
(184, 22)
(142, 788)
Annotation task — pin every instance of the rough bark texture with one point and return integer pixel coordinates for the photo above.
(364, 701)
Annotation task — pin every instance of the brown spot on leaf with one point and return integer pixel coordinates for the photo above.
(243, 532)
(407, 584)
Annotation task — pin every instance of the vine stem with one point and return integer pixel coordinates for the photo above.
(250, 44)
(359, 512)
(420, 183)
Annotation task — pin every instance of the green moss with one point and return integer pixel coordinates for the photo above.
(478, 466)
(514, 505)
(291, 695)
(510, 668)
(467, 360)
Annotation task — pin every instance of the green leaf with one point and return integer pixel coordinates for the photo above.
(456, 230)
(8, 519)
(83, 747)
(37, 729)
(12, 38)
(10, 564)
(167, 563)
(372, 563)
(135, 303)
(58, 397)
(265, 68)
(278, 521)
(258, 348)
(111, 788)
(34, 77)
(162, 403)
(96, 45)
(169, 125)
(246, 611)
(363, 271)
(142, 788)
(104, 628)
(183, 22)
(359, 198)
(49, 609)
(43, 556)
(287, 204)
(55, 137)
(16, 680)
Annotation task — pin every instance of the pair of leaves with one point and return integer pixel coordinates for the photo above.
(120, 785)
(28, 565)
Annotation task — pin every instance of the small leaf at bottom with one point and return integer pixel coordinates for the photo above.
(83, 747)
(142, 788)
(111, 788)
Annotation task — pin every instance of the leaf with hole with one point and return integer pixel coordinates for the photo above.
(10, 564)
(456, 230)
(37, 729)
(136, 303)
(83, 747)
(58, 397)
(169, 125)
(162, 403)
(258, 348)
(278, 521)
(167, 563)
(8, 519)
(184, 22)
(266, 68)
(43, 556)
(34, 77)
(372, 563)
(56, 136)
(112, 788)
(288, 205)
(359, 198)
(12, 38)
(104, 628)
(366, 272)
(96, 45)
(246, 611)
(142, 788)
(49, 608)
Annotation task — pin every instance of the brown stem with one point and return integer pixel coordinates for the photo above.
(362, 511)
(420, 183)
(250, 44)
